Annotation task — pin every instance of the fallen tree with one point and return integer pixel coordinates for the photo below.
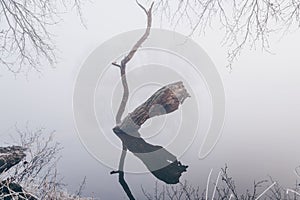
(160, 162)
(10, 156)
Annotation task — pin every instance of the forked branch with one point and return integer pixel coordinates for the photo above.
(125, 96)
(160, 162)
(127, 58)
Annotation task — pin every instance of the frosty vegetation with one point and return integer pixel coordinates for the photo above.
(224, 188)
(36, 176)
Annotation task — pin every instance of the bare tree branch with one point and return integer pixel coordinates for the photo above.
(244, 22)
(125, 96)
(127, 58)
(34, 175)
(25, 40)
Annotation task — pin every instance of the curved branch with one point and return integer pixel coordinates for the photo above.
(124, 100)
(25, 38)
(121, 174)
(127, 58)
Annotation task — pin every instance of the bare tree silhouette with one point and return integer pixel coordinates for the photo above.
(243, 22)
(161, 163)
(25, 40)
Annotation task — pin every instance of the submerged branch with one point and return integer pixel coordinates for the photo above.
(125, 96)
(161, 163)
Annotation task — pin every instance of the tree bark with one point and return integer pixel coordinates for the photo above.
(164, 101)
(10, 156)
(161, 163)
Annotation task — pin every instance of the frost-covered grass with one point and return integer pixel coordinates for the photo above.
(36, 176)
(224, 188)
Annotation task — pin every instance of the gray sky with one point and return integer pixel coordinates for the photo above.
(261, 132)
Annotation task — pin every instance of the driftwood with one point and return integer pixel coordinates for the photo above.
(164, 101)
(124, 100)
(161, 163)
(10, 156)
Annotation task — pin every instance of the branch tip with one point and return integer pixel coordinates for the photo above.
(116, 64)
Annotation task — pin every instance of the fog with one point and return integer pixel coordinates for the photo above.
(260, 136)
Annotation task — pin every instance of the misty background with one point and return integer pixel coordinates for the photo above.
(261, 132)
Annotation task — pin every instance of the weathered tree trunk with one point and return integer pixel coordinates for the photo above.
(164, 101)
(10, 156)
(158, 160)
(161, 163)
